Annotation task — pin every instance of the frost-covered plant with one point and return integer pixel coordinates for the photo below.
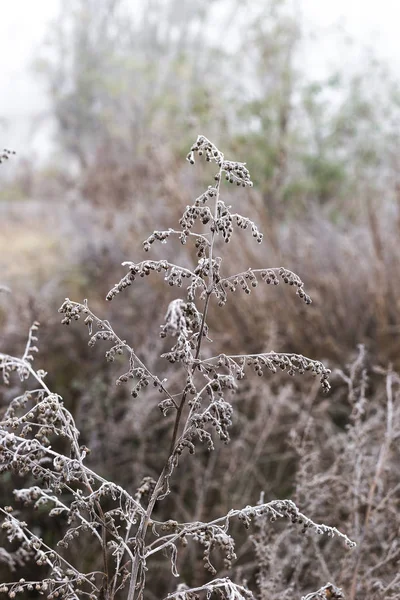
(348, 475)
(38, 435)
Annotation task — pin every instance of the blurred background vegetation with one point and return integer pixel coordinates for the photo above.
(129, 91)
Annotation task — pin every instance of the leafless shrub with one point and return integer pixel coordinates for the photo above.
(121, 524)
(352, 475)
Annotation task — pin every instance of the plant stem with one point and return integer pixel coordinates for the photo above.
(141, 533)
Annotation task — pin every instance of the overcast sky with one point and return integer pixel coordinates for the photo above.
(23, 24)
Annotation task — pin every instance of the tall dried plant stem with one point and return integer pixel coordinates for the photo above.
(141, 534)
(383, 454)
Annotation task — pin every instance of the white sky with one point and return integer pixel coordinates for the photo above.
(370, 23)
(23, 24)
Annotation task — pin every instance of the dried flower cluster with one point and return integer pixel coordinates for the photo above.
(5, 154)
(122, 525)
